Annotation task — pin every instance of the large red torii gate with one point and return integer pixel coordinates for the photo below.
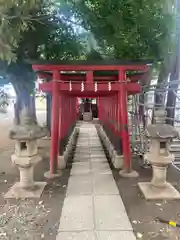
(72, 79)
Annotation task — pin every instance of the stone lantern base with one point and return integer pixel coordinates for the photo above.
(16, 191)
(150, 192)
(26, 187)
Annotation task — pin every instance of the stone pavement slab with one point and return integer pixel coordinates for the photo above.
(104, 184)
(80, 169)
(81, 159)
(93, 208)
(77, 214)
(76, 236)
(98, 156)
(80, 185)
(82, 155)
(97, 159)
(102, 170)
(115, 235)
(110, 214)
(100, 165)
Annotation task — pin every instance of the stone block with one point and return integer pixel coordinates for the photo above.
(168, 192)
(61, 162)
(16, 191)
(118, 161)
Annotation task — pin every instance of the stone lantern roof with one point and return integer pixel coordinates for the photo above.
(161, 131)
(28, 129)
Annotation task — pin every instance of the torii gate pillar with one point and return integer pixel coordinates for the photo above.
(54, 128)
(123, 118)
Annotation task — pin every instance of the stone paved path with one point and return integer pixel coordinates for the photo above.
(93, 208)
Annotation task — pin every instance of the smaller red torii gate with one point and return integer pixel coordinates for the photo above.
(72, 79)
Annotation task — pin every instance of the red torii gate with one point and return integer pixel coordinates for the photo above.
(83, 81)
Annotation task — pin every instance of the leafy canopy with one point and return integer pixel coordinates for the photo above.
(16, 17)
(126, 28)
(34, 29)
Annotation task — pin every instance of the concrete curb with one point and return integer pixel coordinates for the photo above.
(117, 160)
(62, 159)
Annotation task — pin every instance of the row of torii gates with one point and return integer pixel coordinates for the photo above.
(108, 82)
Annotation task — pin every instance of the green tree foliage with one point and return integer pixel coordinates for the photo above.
(37, 29)
(133, 30)
(47, 36)
(16, 16)
(126, 28)
(174, 71)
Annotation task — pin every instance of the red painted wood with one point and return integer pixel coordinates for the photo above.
(111, 104)
(60, 117)
(63, 115)
(80, 77)
(55, 124)
(89, 67)
(89, 77)
(123, 114)
(132, 88)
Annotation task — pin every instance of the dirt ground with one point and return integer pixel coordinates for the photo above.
(31, 219)
(143, 213)
(28, 219)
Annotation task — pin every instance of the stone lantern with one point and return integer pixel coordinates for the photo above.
(160, 157)
(26, 157)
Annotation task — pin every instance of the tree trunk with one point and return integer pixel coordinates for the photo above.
(25, 97)
(171, 99)
(159, 97)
